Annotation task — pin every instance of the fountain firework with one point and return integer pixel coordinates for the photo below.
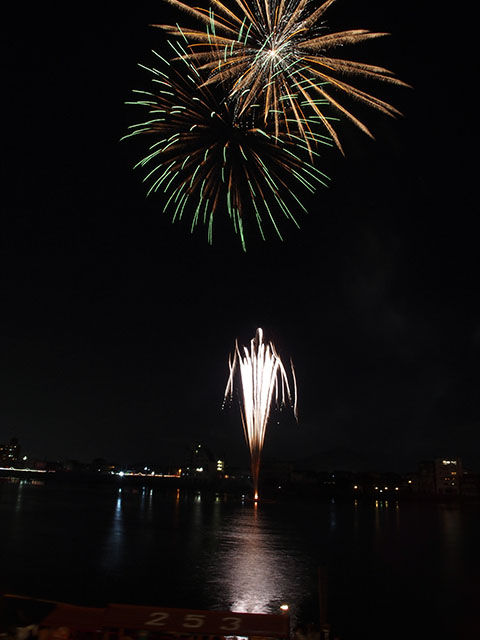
(264, 380)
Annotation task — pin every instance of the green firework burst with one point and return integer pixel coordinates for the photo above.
(208, 160)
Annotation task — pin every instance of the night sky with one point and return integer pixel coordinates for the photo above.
(116, 325)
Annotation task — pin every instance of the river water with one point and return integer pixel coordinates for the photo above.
(394, 569)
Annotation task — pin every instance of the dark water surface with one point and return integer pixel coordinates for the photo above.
(395, 570)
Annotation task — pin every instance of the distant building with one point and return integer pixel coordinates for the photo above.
(201, 464)
(10, 453)
(424, 480)
(470, 484)
(100, 465)
(275, 472)
(440, 477)
(448, 476)
(304, 478)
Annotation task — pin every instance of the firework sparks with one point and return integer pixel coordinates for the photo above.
(264, 380)
(277, 53)
(205, 158)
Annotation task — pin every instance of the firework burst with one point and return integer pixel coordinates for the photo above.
(264, 381)
(278, 54)
(206, 158)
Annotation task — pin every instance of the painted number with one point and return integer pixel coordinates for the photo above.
(193, 621)
(157, 618)
(231, 623)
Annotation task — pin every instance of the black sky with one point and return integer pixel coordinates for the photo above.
(116, 325)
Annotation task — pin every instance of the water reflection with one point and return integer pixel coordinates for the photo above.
(386, 518)
(257, 576)
(18, 501)
(390, 567)
(451, 528)
(21, 484)
(113, 546)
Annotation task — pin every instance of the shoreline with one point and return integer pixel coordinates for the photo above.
(230, 488)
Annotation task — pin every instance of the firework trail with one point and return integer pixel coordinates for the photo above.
(205, 158)
(264, 380)
(278, 54)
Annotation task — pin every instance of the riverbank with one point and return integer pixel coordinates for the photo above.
(233, 488)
